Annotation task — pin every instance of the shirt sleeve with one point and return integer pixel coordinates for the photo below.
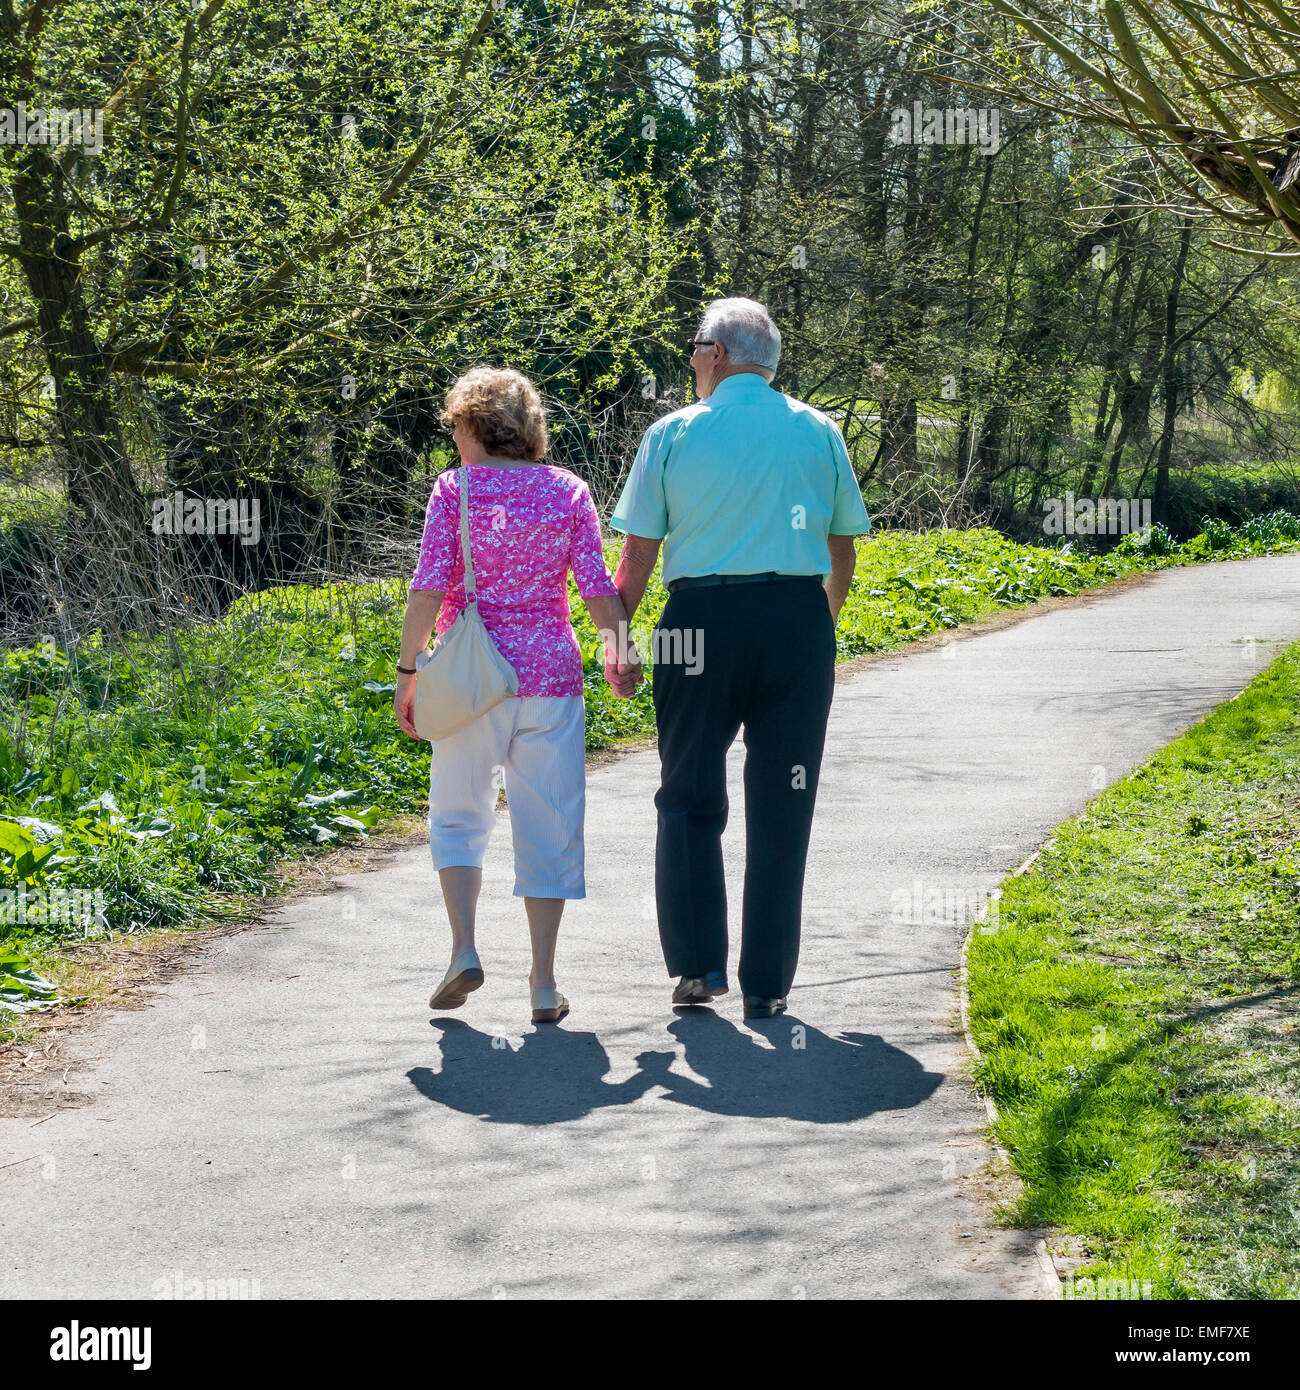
(438, 544)
(849, 515)
(642, 508)
(586, 552)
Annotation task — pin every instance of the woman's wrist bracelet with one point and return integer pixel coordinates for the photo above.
(407, 670)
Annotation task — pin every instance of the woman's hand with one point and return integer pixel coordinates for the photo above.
(404, 703)
(422, 607)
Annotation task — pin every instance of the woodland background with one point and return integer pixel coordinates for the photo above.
(306, 220)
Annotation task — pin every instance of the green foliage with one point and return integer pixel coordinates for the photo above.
(302, 224)
(182, 781)
(1234, 494)
(1153, 541)
(1271, 529)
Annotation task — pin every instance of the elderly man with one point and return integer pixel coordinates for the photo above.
(754, 500)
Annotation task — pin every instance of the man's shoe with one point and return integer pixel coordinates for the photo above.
(757, 1007)
(700, 989)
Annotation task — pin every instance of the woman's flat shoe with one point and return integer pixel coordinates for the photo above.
(549, 1005)
(463, 976)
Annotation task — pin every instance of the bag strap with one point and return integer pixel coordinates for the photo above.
(471, 589)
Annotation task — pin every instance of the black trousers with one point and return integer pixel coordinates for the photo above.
(765, 655)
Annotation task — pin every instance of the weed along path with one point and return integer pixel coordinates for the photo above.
(286, 1117)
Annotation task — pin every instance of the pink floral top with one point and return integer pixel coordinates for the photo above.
(529, 526)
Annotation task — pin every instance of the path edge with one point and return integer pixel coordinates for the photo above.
(1051, 1279)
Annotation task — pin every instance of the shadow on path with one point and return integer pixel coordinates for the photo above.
(804, 1075)
(558, 1075)
(554, 1075)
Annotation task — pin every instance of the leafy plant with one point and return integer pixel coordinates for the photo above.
(22, 990)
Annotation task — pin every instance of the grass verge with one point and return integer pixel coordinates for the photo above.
(1138, 1012)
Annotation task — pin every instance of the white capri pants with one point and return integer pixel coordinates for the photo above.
(538, 744)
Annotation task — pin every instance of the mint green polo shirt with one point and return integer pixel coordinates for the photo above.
(746, 481)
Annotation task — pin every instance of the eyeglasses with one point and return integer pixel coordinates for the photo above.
(699, 343)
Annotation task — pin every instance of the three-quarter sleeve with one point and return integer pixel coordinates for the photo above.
(586, 553)
(438, 543)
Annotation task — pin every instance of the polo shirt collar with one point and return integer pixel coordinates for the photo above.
(740, 384)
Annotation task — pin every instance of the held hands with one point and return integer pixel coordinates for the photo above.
(624, 675)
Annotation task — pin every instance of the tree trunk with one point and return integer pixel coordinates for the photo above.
(747, 122)
(707, 63)
(898, 438)
(1169, 377)
(109, 555)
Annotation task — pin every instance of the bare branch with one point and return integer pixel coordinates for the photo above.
(182, 125)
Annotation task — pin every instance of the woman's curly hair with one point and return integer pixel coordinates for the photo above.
(502, 409)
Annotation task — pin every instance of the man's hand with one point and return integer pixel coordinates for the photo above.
(404, 703)
(844, 560)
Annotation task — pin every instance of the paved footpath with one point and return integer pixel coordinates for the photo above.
(288, 1114)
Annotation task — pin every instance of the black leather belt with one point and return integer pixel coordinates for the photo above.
(703, 581)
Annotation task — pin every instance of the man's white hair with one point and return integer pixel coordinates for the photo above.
(745, 329)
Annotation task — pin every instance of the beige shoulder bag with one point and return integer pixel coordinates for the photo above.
(463, 675)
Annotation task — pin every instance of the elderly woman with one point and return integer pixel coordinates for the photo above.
(530, 524)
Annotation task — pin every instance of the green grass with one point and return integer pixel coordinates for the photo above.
(1137, 1011)
(170, 774)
